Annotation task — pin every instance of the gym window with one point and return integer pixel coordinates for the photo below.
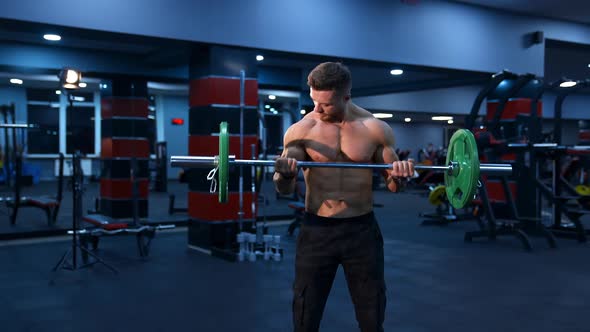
(43, 110)
(80, 124)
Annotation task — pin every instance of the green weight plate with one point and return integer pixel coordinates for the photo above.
(223, 171)
(461, 185)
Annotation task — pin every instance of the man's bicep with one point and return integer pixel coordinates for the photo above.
(292, 146)
(385, 152)
(294, 151)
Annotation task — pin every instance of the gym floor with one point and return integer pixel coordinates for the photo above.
(435, 281)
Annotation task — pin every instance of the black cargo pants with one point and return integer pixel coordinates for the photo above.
(322, 245)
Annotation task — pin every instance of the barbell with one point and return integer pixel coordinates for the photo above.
(461, 175)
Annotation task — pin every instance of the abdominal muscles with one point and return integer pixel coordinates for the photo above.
(339, 192)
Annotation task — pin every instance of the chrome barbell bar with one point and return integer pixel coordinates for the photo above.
(202, 162)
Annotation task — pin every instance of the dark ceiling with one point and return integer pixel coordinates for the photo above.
(369, 77)
(568, 10)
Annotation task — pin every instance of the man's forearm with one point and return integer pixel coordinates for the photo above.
(395, 184)
(284, 186)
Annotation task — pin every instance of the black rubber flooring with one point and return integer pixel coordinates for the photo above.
(435, 282)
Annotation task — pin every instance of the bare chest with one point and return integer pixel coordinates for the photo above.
(346, 143)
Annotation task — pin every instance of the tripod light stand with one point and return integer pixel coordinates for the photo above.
(69, 80)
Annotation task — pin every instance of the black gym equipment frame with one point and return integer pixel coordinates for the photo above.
(525, 226)
(161, 168)
(484, 93)
(13, 166)
(521, 82)
(556, 194)
(558, 110)
(559, 201)
(7, 112)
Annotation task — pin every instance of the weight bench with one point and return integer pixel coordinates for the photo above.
(104, 225)
(49, 204)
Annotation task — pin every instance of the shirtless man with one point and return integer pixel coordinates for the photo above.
(339, 226)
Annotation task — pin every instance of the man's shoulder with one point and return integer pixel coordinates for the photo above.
(299, 128)
(372, 122)
(377, 127)
(365, 116)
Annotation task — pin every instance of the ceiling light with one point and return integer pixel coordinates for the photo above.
(267, 106)
(259, 57)
(442, 118)
(408, 119)
(450, 122)
(273, 110)
(16, 81)
(82, 85)
(302, 111)
(272, 97)
(78, 98)
(58, 92)
(568, 84)
(396, 72)
(52, 37)
(383, 115)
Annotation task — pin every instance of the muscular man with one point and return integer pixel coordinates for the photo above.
(339, 226)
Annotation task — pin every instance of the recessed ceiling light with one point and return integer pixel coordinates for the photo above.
(272, 97)
(396, 72)
(442, 118)
(52, 37)
(450, 122)
(408, 119)
(259, 57)
(58, 92)
(267, 106)
(16, 81)
(302, 111)
(568, 84)
(383, 115)
(82, 84)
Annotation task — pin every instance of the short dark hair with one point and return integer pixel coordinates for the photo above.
(330, 76)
